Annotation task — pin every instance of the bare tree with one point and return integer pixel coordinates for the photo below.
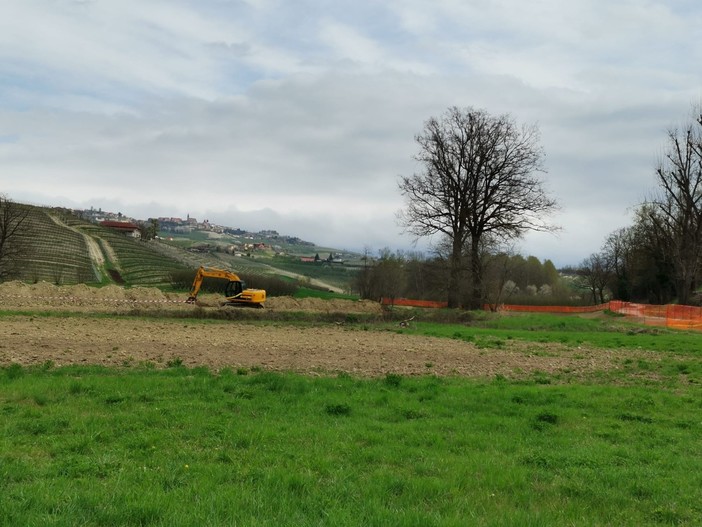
(478, 180)
(596, 273)
(14, 230)
(652, 258)
(498, 268)
(386, 277)
(389, 277)
(618, 249)
(678, 205)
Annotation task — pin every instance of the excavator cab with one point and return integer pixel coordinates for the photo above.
(234, 288)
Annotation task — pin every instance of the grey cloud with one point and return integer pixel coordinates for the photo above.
(237, 113)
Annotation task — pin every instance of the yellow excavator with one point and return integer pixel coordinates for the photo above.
(234, 292)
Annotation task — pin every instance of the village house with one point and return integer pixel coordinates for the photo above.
(125, 227)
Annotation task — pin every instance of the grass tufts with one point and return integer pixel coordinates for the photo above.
(342, 409)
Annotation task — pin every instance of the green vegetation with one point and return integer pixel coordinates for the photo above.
(336, 275)
(59, 253)
(608, 332)
(137, 262)
(307, 292)
(89, 446)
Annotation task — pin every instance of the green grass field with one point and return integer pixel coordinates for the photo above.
(140, 446)
(86, 446)
(609, 332)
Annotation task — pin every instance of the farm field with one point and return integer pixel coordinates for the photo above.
(173, 417)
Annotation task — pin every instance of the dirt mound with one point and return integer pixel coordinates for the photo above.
(44, 295)
(287, 303)
(13, 288)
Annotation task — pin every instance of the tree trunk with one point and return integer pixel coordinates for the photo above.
(684, 290)
(476, 276)
(456, 275)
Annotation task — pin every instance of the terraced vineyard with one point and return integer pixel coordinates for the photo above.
(67, 250)
(136, 261)
(58, 255)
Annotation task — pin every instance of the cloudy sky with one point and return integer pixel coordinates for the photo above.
(300, 116)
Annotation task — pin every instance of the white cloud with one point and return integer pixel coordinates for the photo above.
(304, 114)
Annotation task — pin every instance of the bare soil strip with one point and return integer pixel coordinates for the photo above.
(119, 341)
(323, 350)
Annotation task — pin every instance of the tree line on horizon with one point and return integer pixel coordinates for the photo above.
(507, 278)
(479, 190)
(658, 259)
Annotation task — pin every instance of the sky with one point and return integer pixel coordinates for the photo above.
(300, 116)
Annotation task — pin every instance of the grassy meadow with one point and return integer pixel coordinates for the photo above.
(140, 446)
(610, 332)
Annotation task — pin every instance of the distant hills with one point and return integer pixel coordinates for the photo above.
(69, 247)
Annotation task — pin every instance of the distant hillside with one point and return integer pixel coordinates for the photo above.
(56, 254)
(63, 249)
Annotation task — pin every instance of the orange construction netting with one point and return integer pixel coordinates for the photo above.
(546, 309)
(670, 315)
(407, 302)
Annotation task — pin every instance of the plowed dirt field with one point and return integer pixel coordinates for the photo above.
(120, 341)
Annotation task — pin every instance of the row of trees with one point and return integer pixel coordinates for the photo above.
(479, 189)
(506, 277)
(479, 186)
(658, 258)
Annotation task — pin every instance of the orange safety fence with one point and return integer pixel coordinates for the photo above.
(407, 302)
(546, 309)
(670, 315)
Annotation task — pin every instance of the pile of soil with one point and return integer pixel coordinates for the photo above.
(43, 295)
(287, 303)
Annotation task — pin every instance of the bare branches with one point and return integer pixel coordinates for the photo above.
(13, 232)
(478, 179)
(677, 209)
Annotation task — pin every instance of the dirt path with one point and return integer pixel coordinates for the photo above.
(96, 255)
(110, 253)
(302, 277)
(93, 248)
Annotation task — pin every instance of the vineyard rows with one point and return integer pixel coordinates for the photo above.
(59, 253)
(56, 254)
(67, 250)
